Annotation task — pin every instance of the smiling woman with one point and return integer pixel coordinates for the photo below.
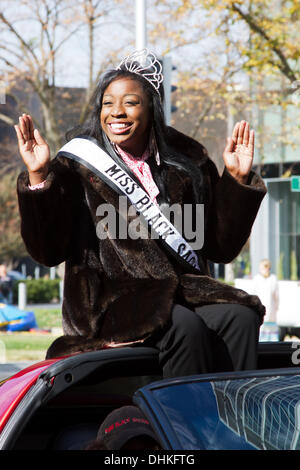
(153, 290)
(125, 115)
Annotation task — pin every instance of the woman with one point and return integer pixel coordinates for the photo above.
(135, 291)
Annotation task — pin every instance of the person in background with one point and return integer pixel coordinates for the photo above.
(5, 286)
(265, 286)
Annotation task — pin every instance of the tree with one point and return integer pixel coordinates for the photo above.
(31, 57)
(248, 51)
(34, 34)
(274, 25)
(203, 109)
(11, 244)
(274, 36)
(93, 14)
(208, 73)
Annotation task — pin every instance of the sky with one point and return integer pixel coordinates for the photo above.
(119, 34)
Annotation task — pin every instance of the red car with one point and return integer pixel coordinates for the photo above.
(60, 403)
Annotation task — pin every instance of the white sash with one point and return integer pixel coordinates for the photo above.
(86, 152)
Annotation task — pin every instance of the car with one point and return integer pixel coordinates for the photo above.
(59, 404)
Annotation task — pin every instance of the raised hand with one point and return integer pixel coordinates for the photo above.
(239, 151)
(33, 148)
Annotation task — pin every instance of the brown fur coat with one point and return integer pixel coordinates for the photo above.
(123, 290)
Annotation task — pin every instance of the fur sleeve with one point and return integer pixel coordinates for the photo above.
(47, 214)
(230, 208)
(231, 214)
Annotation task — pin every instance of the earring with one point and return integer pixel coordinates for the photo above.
(153, 147)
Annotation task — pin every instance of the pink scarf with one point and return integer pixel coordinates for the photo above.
(141, 170)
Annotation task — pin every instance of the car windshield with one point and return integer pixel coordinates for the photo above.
(248, 413)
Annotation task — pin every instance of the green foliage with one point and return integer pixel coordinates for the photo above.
(279, 270)
(39, 290)
(11, 243)
(294, 275)
(273, 43)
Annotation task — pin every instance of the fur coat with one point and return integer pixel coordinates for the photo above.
(122, 289)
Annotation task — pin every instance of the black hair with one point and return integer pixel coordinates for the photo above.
(169, 156)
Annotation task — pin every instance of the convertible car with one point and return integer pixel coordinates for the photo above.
(58, 404)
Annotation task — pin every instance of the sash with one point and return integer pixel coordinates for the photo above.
(86, 152)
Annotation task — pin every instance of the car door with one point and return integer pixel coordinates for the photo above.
(237, 411)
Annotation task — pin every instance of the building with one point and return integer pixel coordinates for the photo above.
(276, 232)
(264, 411)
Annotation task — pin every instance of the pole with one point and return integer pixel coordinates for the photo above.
(37, 272)
(140, 24)
(61, 291)
(22, 296)
(52, 272)
(167, 70)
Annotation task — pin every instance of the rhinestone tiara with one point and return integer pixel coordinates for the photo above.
(144, 63)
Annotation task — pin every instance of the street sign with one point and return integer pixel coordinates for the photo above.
(295, 183)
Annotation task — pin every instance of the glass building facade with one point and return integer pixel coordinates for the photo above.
(267, 410)
(276, 231)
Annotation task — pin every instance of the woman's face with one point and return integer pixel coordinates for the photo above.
(125, 115)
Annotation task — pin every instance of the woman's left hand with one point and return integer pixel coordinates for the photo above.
(239, 151)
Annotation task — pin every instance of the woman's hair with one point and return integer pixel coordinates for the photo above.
(92, 126)
(168, 156)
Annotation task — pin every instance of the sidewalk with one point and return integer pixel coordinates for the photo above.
(48, 306)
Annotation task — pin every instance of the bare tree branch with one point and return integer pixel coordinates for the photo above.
(19, 37)
(11, 51)
(67, 37)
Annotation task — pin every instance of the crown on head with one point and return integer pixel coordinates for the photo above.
(144, 63)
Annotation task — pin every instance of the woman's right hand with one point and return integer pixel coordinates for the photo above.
(34, 149)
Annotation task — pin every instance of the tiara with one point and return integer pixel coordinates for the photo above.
(144, 63)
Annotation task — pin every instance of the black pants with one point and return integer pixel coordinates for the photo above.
(213, 338)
